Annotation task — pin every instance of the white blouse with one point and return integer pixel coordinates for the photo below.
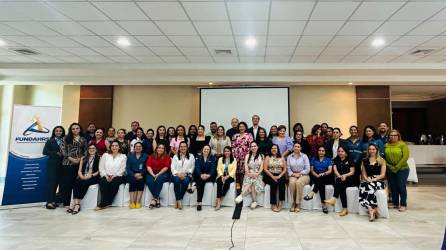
(218, 145)
(182, 165)
(112, 166)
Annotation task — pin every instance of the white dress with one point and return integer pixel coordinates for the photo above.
(254, 166)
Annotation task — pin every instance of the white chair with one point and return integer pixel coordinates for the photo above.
(164, 195)
(266, 202)
(208, 196)
(126, 198)
(91, 198)
(228, 199)
(381, 198)
(352, 200)
(118, 201)
(413, 177)
(247, 199)
(315, 203)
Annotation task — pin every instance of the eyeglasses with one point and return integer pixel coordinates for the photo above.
(393, 135)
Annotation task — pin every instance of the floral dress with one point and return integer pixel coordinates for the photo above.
(240, 148)
(254, 165)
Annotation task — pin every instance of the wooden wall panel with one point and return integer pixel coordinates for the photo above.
(96, 105)
(373, 105)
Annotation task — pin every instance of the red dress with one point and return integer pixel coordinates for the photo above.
(315, 142)
(100, 146)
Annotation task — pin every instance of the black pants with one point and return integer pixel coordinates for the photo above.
(81, 187)
(109, 190)
(320, 183)
(222, 188)
(200, 183)
(134, 184)
(340, 189)
(280, 184)
(54, 175)
(69, 174)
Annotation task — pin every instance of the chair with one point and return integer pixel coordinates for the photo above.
(209, 196)
(315, 203)
(413, 177)
(266, 202)
(247, 199)
(228, 199)
(164, 195)
(383, 210)
(91, 198)
(118, 201)
(352, 200)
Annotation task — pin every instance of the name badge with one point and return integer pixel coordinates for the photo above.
(140, 166)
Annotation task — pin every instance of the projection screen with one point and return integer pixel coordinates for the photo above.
(222, 104)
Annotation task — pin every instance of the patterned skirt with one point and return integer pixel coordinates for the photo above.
(258, 182)
(367, 190)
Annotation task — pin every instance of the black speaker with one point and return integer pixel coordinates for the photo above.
(237, 211)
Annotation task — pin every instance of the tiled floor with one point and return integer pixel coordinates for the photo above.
(421, 227)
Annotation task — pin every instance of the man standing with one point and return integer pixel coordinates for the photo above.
(132, 134)
(213, 129)
(234, 130)
(254, 130)
(90, 132)
(383, 131)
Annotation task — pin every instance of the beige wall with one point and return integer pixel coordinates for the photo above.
(155, 105)
(70, 104)
(46, 95)
(335, 105)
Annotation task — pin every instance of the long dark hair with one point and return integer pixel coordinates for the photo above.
(346, 152)
(296, 125)
(258, 137)
(187, 150)
(69, 137)
(186, 139)
(250, 152)
(231, 157)
(53, 134)
(315, 128)
(143, 137)
(364, 136)
(157, 136)
(278, 155)
(242, 123)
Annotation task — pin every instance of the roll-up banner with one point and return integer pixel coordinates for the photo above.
(25, 181)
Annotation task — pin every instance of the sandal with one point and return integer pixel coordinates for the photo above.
(76, 211)
(50, 206)
(307, 198)
(152, 204)
(158, 204)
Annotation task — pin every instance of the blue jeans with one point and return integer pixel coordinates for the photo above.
(397, 183)
(155, 186)
(180, 186)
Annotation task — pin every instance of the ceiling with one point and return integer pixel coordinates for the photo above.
(418, 93)
(188, 32)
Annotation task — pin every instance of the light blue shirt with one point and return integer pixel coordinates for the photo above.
(298, 164)
(285, 144)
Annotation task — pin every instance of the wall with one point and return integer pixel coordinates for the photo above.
(155, 105)
(46, 95)
(335, 105)
(96, 105)
(70, 104)
(373, 105)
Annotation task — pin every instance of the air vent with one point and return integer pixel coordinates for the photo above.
(26, 52)
(223, 52)
(422, 52)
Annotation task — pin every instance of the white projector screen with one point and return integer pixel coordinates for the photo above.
(221, 105)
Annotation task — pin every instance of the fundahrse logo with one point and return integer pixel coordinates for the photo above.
(36, 127)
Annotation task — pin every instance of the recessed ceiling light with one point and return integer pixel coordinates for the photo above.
(378, 42)
(210, 83)
(123, 41)
(350, 83)
(2, 43)
(251, 42)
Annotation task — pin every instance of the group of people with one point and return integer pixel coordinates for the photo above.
(248, 156)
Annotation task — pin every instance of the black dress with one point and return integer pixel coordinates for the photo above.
(367, 190)
(197, 146)
(343, 167)
(53, 168)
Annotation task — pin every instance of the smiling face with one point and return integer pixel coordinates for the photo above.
(234, 123)
(160, 149)
(91, 150)
(139, 133)
(220, 131)
(149, 134)
(354, 132)
(341, 153)
(111, 132)
(297, 148)
(91, 128)
(200, 131)
(282, 132)
(274, 150)
(114, 147)
(242, 128)
(180, 131)
(255, 120)
(254, 148)
(336, 134)
(183, 148)
(134, 126)
(372, 150)
(227, 153)
(206, 151)
(58, 132)
(138, 148)
(75, 129)
(99, 134)
(321, 152)
(369, 133)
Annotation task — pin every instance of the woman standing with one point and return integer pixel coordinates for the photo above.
(240, 148)
(150, 135)
(253, 180)
(219, 142)
(87, 175)
(161, 138)
(299, 138)
(272, 132)
(192, 132)
(171, 133)
(264, 142)
(183, 164)
(111, 135)
(180, 137)
(298, 166)
(141, 137)
(226, 168)
(111, 169)
(53, 150)
(123, 143)
(274, 167)
(199, 141)
(320, 176)
(316, 139)
(397, 154)
(158, 169)
(73, 149)
(298, 127)
(101, 144)
(355, 152)
(373, 174)
(284, 142)
(345, 173)
(331, 146)
(370, 137)
(204, 172)
(136, 173)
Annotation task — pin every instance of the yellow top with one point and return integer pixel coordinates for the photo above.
(221, 168)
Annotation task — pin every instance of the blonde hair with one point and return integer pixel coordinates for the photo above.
(379, 159)
(397, 132)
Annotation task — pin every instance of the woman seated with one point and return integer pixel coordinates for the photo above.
(87, 175)
(136, 173)
(183, 164)
(205, 171)
(226, 168)
(275, 176)
(320, 176)
(253, 180)
(373, 172)
(298, 168)
(111, 169)
(158, 172)
(344, 169)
